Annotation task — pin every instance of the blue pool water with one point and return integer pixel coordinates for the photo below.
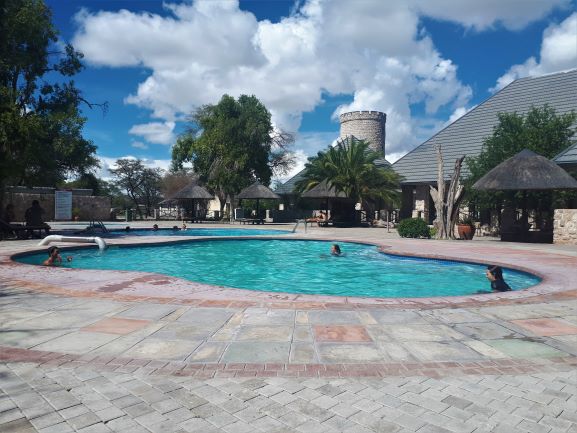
(297, 267)
(200, 232)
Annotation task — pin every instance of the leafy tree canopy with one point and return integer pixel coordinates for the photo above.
(232, 144)
(41, 125)
(142, 184)
(541, 130)
(350, 168)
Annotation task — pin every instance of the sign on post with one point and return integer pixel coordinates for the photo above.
(63, 205)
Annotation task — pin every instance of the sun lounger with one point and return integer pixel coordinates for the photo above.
(18, 231)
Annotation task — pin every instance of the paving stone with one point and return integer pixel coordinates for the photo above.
(84, 420)
(57, 428)
(21, 425)
(257, 352)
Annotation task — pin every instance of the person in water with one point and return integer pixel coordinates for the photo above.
(54, 257)
(335, 250)
(495, 276)
(155, 227)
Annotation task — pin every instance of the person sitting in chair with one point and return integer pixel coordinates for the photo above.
(33, 217)
(320, 218)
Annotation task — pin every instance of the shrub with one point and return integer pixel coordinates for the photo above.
(413, 228)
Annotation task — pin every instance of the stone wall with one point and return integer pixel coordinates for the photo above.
(88, 207)
(565, 226)
(365, 125)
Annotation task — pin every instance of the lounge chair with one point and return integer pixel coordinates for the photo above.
(18, 231)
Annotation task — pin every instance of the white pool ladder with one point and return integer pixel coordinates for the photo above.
(77, 239)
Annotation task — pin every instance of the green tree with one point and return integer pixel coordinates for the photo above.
(40, 121)
(350, 168)
(541, 130)
(232, 144)
(142, 184)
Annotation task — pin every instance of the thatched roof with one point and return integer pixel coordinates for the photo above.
(323, 190)
(526, 171)
(193, 191)
(257, 191)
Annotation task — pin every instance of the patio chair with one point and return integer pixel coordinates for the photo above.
(18, 231)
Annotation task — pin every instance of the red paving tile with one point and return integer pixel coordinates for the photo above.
(354, 333)
(546, 327)
(116, 326)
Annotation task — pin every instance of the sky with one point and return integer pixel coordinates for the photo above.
(424, 63)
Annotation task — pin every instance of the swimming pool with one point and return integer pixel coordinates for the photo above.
(296, 266)
(199, 232)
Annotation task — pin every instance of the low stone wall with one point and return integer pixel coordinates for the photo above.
(565, 226)
(88, 207)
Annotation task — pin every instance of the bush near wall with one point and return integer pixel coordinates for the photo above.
(413, 228)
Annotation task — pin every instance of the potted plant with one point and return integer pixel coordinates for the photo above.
(466, 229)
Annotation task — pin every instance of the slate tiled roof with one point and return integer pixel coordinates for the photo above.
(568, 156)
(465, 136)
(289, 185)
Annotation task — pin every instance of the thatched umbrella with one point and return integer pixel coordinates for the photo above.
(257, 191)
(324, 190)
(192, 192)
(526, 171)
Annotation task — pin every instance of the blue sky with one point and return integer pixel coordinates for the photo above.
(423, 62)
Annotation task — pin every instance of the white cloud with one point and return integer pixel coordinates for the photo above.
(486, 14)
(558, 52)
(139, 145)
(155, 132)
(373, 50)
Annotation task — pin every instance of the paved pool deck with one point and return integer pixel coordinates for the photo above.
(126, 351)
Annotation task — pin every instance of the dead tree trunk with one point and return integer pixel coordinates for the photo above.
(447, 205)
(438, 195)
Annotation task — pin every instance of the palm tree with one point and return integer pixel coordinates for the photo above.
(350, 168)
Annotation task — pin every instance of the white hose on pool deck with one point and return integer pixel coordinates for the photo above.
(57, 238)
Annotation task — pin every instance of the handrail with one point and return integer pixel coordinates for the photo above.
(58, 238)
(297, 224)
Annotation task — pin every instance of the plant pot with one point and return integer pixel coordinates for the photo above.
(466, 231)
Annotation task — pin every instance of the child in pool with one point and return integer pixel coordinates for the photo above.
(54, 258)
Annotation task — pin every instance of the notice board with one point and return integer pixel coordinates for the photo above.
(63, 205)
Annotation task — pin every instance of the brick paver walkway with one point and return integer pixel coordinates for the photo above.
(60, 400)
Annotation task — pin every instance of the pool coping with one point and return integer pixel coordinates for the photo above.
(559, 279)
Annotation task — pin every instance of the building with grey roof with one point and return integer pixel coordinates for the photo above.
(466, 135)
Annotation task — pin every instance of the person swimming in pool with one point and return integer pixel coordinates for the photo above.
(495, 276)
(155, 227)
(335, 250)
(54, 257)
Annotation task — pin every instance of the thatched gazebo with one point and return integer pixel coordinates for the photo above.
(324, 191)
(188, 196)
(526, 171)
(257, 191)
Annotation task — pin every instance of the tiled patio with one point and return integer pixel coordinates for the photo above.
(132, 325)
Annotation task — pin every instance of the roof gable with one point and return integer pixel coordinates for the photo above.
(465, 136)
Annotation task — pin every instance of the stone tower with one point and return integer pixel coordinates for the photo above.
(365, 125)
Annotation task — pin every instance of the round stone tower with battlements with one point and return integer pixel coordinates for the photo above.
(365, 125)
